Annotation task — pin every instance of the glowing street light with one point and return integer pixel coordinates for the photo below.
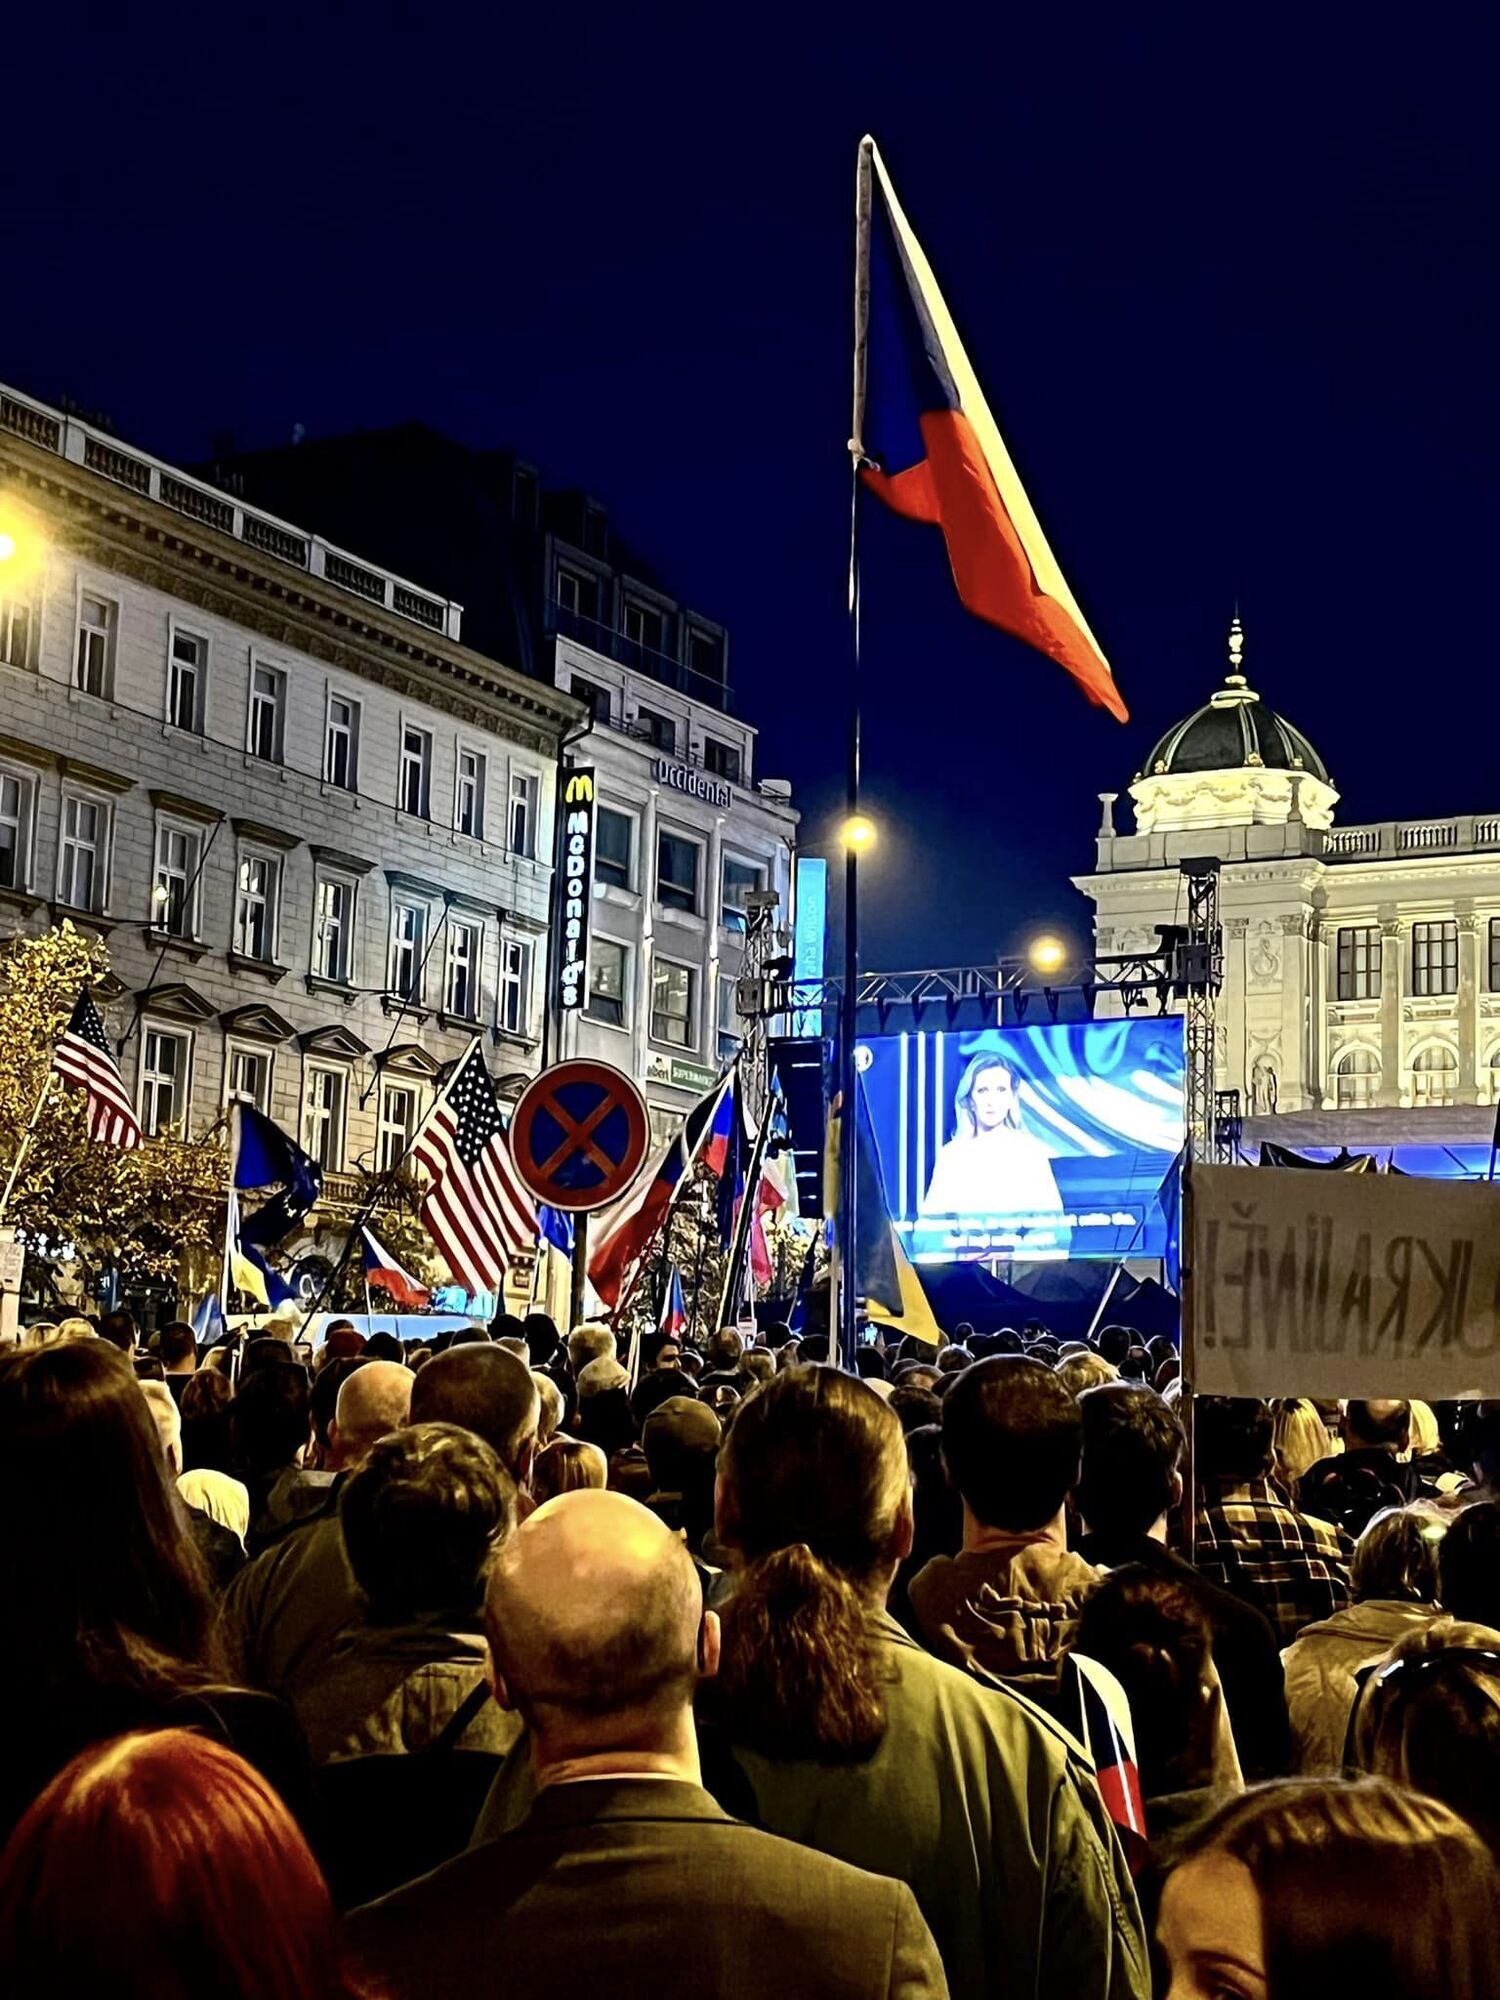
(858, 834)
(1046, 953)
(7, 546)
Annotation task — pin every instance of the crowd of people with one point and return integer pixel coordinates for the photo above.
(493, 1664)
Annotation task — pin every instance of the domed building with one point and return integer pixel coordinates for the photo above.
(1361, 997)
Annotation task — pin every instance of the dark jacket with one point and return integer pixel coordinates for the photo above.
(387, 1690)
(643, 1888)
(284, 1612)
(1009, 1609)
(1244, 1646)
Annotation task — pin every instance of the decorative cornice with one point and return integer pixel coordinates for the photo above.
(335, 857)
(334, 1041)
(257, 831)
(414, 885)
(257, 1022)
(93, 774)
(181, 808)
(21, 752)
(174, 1002)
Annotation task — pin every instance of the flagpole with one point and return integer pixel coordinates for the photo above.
(642, 1263)
(842, 1329)
(30, 1133)
(745, 1220)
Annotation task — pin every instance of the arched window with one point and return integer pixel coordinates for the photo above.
(1434, 1075)
(1356, 1078)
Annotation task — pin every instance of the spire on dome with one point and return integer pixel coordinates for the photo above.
(1236, 690)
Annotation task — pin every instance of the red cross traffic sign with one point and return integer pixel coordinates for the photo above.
(579, 1135)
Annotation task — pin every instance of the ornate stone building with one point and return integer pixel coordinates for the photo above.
(1361, 999)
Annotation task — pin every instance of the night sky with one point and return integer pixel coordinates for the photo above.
(1227, 274)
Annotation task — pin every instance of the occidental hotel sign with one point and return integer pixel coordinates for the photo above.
(697, 784)
(577, 870)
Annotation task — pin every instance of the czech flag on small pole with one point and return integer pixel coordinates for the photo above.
(929, 448)
(384, 1274)
(673, 1309)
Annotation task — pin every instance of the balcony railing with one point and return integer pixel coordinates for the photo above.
(84, 444)
(1465, 833)
(640, 658)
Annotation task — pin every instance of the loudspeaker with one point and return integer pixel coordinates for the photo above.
(797, 1062)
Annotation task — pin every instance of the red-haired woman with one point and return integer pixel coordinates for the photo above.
(161, 1864)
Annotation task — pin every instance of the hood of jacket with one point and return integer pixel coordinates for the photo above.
(1010, 1609)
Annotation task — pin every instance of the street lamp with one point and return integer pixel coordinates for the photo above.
(1047, 954)
(7, 546)
(857, 834)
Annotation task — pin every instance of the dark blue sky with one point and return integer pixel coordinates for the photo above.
(1228, 275)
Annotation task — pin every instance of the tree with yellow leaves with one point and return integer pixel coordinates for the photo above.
(139, 1212)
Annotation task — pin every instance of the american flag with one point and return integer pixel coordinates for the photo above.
(83, 1057)
(476, 1210)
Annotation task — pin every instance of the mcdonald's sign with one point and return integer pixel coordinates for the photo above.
(575, 890)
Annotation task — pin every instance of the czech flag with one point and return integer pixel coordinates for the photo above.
(673, 1323)
(384, 1274)
(934, 453)
(704, 1136)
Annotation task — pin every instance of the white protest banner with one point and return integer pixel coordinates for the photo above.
(1300, 1283)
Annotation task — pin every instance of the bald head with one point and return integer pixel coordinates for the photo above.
(485, 1390)
(593, 1614)
(372, 1401)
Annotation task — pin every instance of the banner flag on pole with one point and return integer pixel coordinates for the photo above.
(555, 1228)
(82, 1057)
(475, 1209)
(384, 1273)
(261, 1155)
(883, 1275)
(673, 1321)
(249, 1269)
(936, 454)
(1169, 1201)
(704, 1135)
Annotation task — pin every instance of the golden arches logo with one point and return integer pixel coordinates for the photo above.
(580, 790)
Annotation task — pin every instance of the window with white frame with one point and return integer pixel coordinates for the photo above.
(257, 894)
(415, 795)
(513, 999)
(520, 830)
(187, 681)
(333, 929)
(1359, 962)
(461, 976)
(165, 1061)
(468, 815)
(643, 625)
(341, 743)
(266, 732)
(609, 982)
(94, 651)
(576, 593)
(1356, 1079)
(677, 863)
(731, 1027)
(614, 848)
(408, 949)
(323, 1125)
(83, 852)
(174, 894)
(1434, 1075)
(1434, 957)
(398, 1121)
(17, 812)
(248, 1080)
(740, 878)
(673, 988)
(17, 631)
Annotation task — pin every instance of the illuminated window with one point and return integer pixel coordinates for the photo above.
(1356, 1079)
(672, 995)
(255, 905)
(1434, 1076)
(17, 630)
(174, 900)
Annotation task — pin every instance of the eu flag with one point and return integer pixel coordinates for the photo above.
(263, 1156)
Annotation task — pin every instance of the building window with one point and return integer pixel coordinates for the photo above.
(249, 1079)
(513, 1008)
(521, 823)
(576, 594)
(1359, 962)
(1434, 957)
(408, 950)
(174, 896)
(256, 886)
(594, 698)
(706, 657)
(341, 744)
(722, 759)
(677, 872)
(731, 1027)
(609, 970)
(1495, 954)
(469, 817)
(164, 1080)
(187, 681)
(740, 878)
(614, 842)
(660, 731)
(333, 931)
(17, 631)
(398, 1121)
(17, 795)
(461, 977)
(1356, 1079)
(672, 1004)
(642, 625)
(267, 712)
(416, 773)
(94, 659)
(82, 867)
(323, 1135)
(1434, 1076)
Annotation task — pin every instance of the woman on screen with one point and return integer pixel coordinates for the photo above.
(992, 1166)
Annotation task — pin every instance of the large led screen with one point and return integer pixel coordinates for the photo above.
(1028, 1142)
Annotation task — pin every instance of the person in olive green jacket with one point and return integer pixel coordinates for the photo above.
(827, 1725)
